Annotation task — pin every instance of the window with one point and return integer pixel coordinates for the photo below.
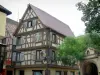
(29, 24)
(72, 73)
(37, 72)
(58, 72)
(79, 73)
(53, 54)
(18, 56)
(19, 41)
(38, 37)
(38, 54)
(21, 72)
(54, 38)
(14, 56)
(34, 22)
(88, 52)
(4, 41)
(65, 72)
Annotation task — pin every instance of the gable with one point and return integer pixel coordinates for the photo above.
(29, 22)
(46, 20)
(90, 51)
(29, 14)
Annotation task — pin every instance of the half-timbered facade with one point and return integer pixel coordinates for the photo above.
(37, 38)
(11, 26)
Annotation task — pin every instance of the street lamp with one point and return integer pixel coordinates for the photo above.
(2, 56)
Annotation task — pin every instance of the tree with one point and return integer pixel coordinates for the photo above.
(95, 40)
(72, 50)
(91, 15)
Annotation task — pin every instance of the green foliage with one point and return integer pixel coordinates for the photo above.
(95, 40)
(91, 15)
(72, 50)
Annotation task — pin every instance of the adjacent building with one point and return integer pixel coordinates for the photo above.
(10, 27)
(35, 44)
(3, 13)
(91, 63)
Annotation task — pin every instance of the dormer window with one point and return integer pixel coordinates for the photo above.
(29, 24)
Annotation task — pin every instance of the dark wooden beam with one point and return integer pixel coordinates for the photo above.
(30, 19)
(34, 48)
(30, 32)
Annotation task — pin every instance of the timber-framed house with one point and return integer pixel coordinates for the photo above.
(38, 36)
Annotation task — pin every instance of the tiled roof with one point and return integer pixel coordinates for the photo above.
(10, 21)
(52, 22)
(11, 26)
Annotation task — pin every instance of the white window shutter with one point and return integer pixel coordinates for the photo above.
(21, 56)
(14, 56)
(22, 40)
(34, 22)
(25, 25)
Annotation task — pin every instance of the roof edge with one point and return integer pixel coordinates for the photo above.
(4, 10)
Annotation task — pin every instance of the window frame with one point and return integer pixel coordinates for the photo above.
(72, 73)
(18, 43)
(21, 71)
(33, 71)
(53, 54)
(29, 24)
(38, 37)
(54, 38)
(58, 72)
(65, 72)
(38, 58)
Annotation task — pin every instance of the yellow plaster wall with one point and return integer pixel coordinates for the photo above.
(28, 71)
(2, 24)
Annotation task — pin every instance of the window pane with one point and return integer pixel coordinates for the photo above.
(38, 55)
(72, 73)
(29, 24)
(19, 41)
(34, 22)
(21, 72)
(37, 72)
(65, 73)
(28, 56)
(38, 37)
(54, 38)
(58, 73)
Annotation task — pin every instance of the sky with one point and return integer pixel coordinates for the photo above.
(64, 10)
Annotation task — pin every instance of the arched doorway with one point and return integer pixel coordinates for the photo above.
(90, 69)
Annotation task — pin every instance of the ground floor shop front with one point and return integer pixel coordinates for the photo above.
(42, 71)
